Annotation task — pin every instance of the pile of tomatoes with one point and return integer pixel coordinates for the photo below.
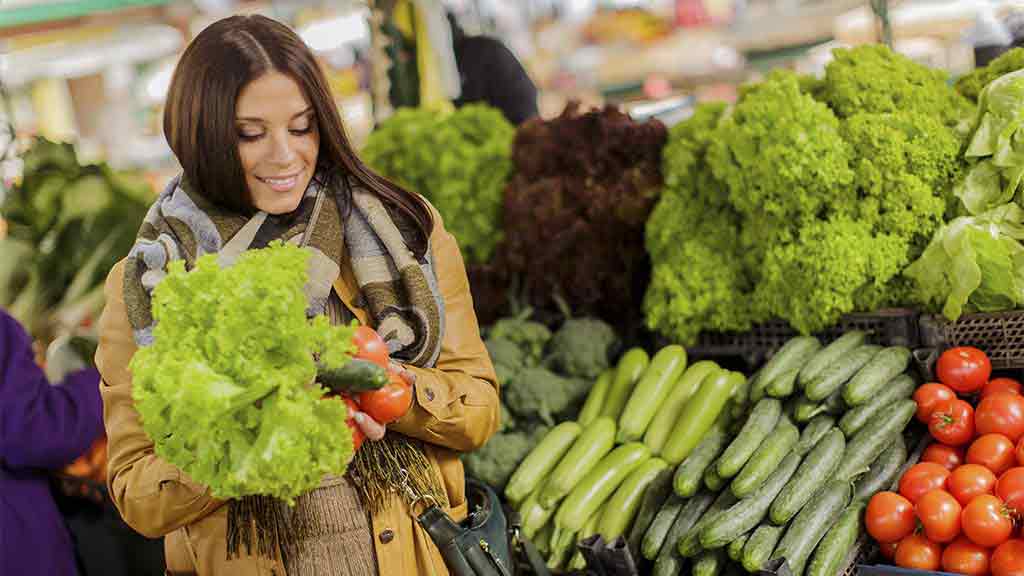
(960, 508)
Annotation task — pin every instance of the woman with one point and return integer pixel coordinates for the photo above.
(265, 157)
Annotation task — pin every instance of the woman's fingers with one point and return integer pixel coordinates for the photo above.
(404, 373)
(371, 428)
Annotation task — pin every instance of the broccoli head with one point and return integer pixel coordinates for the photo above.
(507, 357)
(582, 347)
(508, 422)
(495, 461)
(531, 337)
(538, 393)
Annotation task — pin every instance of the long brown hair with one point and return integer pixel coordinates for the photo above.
(199, 119)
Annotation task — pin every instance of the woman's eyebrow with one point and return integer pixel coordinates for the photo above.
(262, 121)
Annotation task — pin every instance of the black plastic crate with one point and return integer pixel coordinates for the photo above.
(998, 334)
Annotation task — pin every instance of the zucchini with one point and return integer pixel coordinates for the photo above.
(594, 403)
(784, 385)
(840, 539)
(804, 410)
(699, 413)
(759, 424)
(655, 535)
(562, 544)
(749, 512)
(829, 355)
(813, 432)
(596, 440)
(899, 387)
(760, 545)
(543, 539)
(709, 563)
(599, 484)
(741, 394)
(712, 480)
(357, 375)
(766, 459)
(533, 516)
(541, 460)
(590, 526)
(624, 503)
(631, 366)
(757, 388)
(668, 561)
(839, 373)
(884, 471)
(655, 498)
(690, 546)
(735, 548)
(792, 356)
(885, 366)
(811, 523)
(650, 392)
(813, 473)
(690, 473)
(872, 439)
(668, 414)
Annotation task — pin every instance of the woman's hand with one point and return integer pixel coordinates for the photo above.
(372, 429)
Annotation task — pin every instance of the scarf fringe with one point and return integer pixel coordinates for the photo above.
(377, 472)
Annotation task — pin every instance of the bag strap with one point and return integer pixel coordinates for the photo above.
(525, 545)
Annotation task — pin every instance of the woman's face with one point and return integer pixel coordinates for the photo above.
(278, 142)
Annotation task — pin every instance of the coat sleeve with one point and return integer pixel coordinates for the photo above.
(153, 496)
(456, 402)
(42, 426)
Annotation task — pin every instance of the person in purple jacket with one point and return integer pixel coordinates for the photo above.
(42, 428)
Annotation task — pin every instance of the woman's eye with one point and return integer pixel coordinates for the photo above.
(302, 131)
(249, 137)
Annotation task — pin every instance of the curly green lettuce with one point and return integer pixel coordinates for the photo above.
(971, 85)
(226, 391)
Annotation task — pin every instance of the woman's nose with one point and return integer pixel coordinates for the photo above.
(282, 152)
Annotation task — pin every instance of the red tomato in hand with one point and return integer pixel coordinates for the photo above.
(930, 395)
(1008, 559)
(969, 481)
(998, 385)
(965, 557)
(921, 479)
(939, 513)
(889, 517)
(916, 551)
(370, 346)
(1001, 414)
(388, 403)
(993, 451)
(1010, 489)
(952, 423)
(986, 521)
(946, 456)
(964, 369)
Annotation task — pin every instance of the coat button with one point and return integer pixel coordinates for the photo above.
(387, 536)
(430, 394)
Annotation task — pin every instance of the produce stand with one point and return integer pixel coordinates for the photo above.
(999, 334)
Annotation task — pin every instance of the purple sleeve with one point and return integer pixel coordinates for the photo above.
(43, 426)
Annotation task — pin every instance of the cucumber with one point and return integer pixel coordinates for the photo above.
(760, 545)
(741, 394)
(668, 560)
(811, 523)
(829, 355)
(804, 410)
(834, 404)
(624, 503)
(655, 535)
(655, 498)
(690, 545)
(711, 479)
(668, 414)
(541, 460)
(594, 403)
(690, 473)
(749, 512)
(840, 372)
(793, 355)
(761, 422)
(596, 440)
(599, 484)
(757, 388)
(884, 471)
(872, 439)
(631, 366)
(766, 459)
(533, 516)
(650, 392)
(899, 387)
(784, 385)
(357, 375)
(813, 432)
(735, 548)
(709, 563)
(885, 366)
(699, 413)
(813, 473)
(840, 539)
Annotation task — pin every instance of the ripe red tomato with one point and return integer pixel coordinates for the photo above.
(997, 385)
(964, 369)
(1008, 559)
(952, 423)
(993, 451)
(965, 557)
(915, 551)
(1020, 452)
(969, 481)
(946, 456)
(888, 549)
(922, 478)
(389, 403)
(370, 346)
(939, 513)
(1010, 489)
(930, 395)
(889, 517)
(1001, 413)
(986, 521)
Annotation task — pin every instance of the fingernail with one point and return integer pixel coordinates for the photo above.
(359, 417)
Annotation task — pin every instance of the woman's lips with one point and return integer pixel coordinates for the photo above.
(281, 184)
